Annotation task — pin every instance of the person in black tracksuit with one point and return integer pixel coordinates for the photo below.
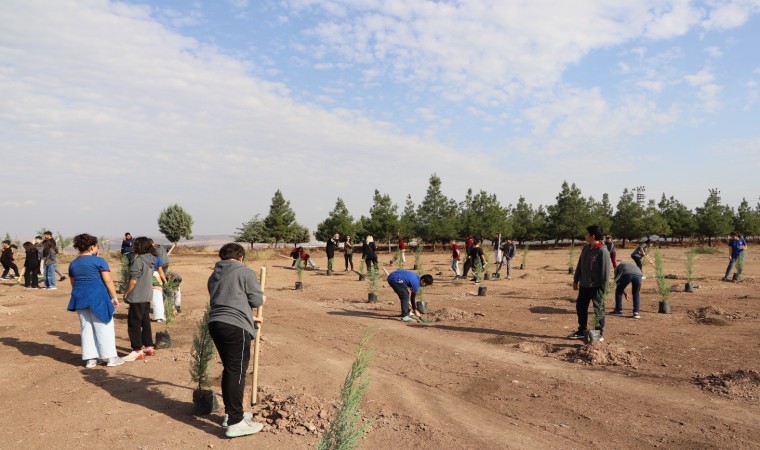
(332, 244)
(6, 259)
(368, 252)
(31, 266)
(474, 254)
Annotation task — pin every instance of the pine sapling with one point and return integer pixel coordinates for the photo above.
(124, 273)
(399, 260)
(690, 257)
(373, 280)
(418, 258)
(662, 285)
(201, 353)
(740, 263)
(346, 429)
(299, 269)
(525, 253)
(571, 261)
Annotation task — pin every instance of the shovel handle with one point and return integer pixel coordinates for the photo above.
(257, 342)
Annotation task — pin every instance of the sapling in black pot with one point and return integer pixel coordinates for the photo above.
(525, 253)
(690, 256)
(662, 285)
(201, 354)
(163, 338)
(418, 258)
(299, 273)
(362, 275)
(373, 282)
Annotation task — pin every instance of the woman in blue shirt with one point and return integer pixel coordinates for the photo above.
(94, 299)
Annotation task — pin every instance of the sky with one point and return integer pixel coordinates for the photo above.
(111, 111)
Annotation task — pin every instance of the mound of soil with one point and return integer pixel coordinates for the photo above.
(527, 276)
(741, 383)
(710, 315)
(536, 348)
(298, 414)
(452, 314)
(602, 354)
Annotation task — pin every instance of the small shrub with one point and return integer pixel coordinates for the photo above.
(299, 269)
(525, 253)
(690, 257)
(170, 298)
(571, 261)
(477, 270)
(398, 260)
(346, 429)
(190, 249)
(662, 285)
(418, 258)
(124, 273)
(740, 262)
(373, 280)
(202, 352)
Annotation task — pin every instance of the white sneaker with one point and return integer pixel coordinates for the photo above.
(52, 288)
(136, 355)
(246, 415)
(91, 363)
(115, 361)
(243, 428)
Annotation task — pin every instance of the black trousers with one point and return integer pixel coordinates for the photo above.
(585, 297)
(234, 347)
(402, 291)
(637, 260)
(31, 279)
(370, 261)
(138, 326)
(349, 258)
(7, 267)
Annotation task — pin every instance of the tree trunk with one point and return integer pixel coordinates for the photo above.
(174, 244)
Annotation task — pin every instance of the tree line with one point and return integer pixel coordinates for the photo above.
(438, 218)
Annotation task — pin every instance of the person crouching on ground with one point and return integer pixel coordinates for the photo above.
(403, 281)
(590, 280)
(94, 299)
(234, 291)
(627, 273)
(138, 295)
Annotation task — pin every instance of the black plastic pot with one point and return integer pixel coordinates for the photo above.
(487, 276)
(570, 270)
(482, 290)
(372, 297)
(422, 307)
(522, 266)
(163, 339)
(204, 402)
(688, 287)
(415, 267)
(329, 272)
(299, 285)
(664, 307)
(361, 277)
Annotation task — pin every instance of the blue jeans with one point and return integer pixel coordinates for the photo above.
(623, 282)
(731, 265)
(50, 274)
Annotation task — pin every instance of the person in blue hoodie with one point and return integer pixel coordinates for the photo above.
(234, 291)
(404, 281)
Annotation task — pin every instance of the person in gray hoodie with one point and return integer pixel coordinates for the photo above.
(138, 295)
(234, 291)
(591, 277)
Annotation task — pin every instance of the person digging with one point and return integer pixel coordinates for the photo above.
(404, 281)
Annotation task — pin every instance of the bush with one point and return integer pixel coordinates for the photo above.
(662, 285)
(373, 279)
(690, 257)
(346, 429)
(201, 353)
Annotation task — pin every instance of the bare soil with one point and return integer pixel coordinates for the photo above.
(487, 372)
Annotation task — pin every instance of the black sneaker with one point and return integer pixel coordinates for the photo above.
(617, 313)
(578, 335)
(63, 277)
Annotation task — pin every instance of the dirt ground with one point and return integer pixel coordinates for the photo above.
(488, 372)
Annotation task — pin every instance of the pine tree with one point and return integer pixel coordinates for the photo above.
(747, 220)
(281, 218)
(339, 220)
(523, 219)
(483, 216)
(383, 217)
(626, 223)
(407, 224)
(653, 223)
(569, 217)
(713, 219)
(601, 212)
(252, 232)
(680, 219)
(437, 214)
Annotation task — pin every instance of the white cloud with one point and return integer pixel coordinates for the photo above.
(707, 90)
(714, 52)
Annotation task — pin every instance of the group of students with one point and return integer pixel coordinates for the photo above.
(41, 259)
(504, 252)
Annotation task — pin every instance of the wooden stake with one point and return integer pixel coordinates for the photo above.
(257, 342)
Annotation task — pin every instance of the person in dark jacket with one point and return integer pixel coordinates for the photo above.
(234, 291)
(368, 252)
(332, 244)
(591, 277)
(508, 250)
(641, 252)
(348, 253)
(627, 273)
(6, 259)
(126, 246)
(474, 255)
(138, 295)
(31, 267)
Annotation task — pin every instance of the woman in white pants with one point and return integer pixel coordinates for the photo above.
(94, 299)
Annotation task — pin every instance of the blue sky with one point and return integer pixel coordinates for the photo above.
(110, 111)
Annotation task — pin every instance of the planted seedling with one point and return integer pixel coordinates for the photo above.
(662, 285)
(201, 353)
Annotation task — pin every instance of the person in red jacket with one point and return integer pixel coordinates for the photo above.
(402, 249)
(455, 255)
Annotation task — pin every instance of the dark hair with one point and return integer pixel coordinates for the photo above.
(84, 241)
(27, 245)
(38, 237)
(7, 242)
(153, 250)
(648, 241)
(735, 233)
(142, 245)
(427, 279)
(48, 232)
(127, 234)
(14, 246)
(596, 231)
(231, 251)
